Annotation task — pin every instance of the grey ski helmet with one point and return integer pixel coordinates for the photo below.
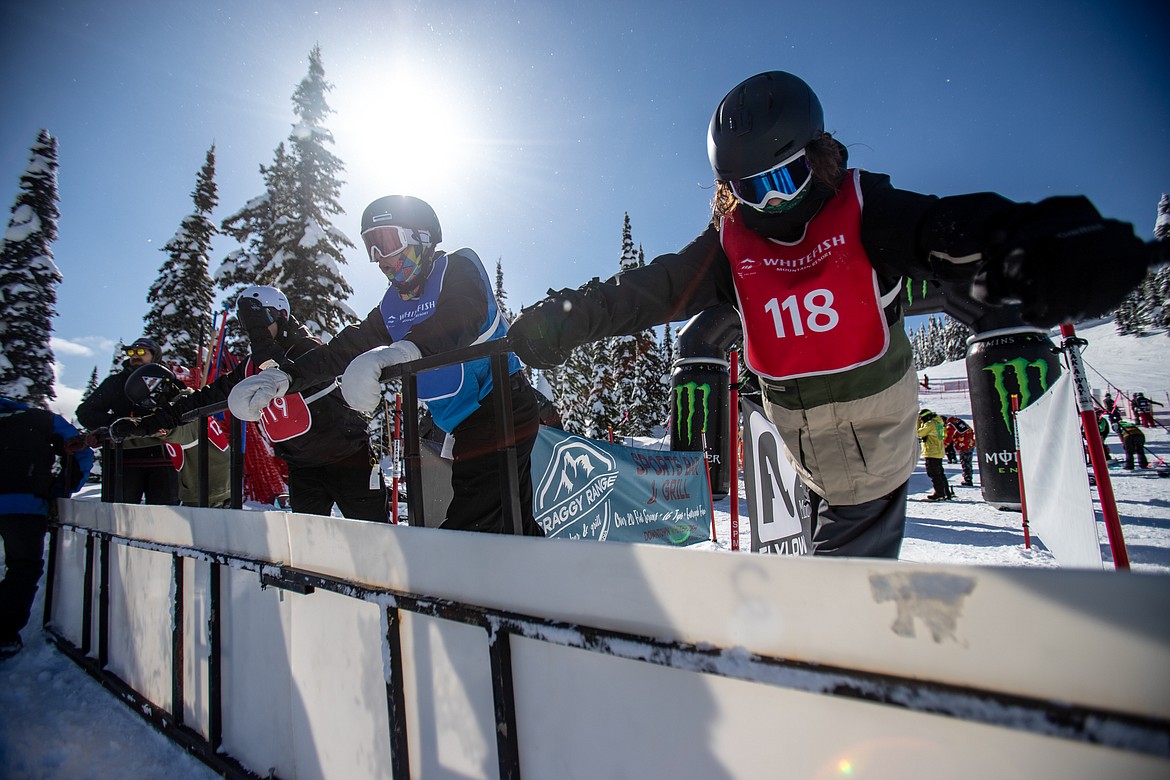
(269, 297)
(403, 211)
(762, 122)
(152, 385)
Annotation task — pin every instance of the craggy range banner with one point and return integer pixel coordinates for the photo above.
(777, 498)
(606, 492)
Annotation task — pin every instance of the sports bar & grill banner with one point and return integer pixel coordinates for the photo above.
(588, 489)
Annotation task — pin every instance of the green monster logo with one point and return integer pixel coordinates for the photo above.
(910, 283)
(688, 392)
(1019, 367)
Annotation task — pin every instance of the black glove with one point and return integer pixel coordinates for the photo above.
(538, 333)
(128, 427)
(162, 419)
(1061, 261)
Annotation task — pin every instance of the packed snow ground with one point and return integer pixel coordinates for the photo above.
(56, 722)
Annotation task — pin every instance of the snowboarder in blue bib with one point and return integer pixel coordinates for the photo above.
(813, 254)
(436, 302)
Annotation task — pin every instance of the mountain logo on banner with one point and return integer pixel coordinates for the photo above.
(578, 481)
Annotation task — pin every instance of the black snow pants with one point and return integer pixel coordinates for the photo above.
(312, 490)
(873, 529)
(476, 478)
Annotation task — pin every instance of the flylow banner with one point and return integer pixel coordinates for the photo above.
(594, 490)
(777, 498)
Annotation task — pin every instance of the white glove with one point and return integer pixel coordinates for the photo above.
(248, 398)
(361, 384)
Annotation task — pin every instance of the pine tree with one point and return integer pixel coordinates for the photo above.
(311, 256)
(91, 385)
(260, 227)
(650, 396)
(501, 294)
(954, 339)
(1148, 305)
(1160, 284)
(575, 386)
(182, 297)
(286, 234)
(628, 392)
(28, 281)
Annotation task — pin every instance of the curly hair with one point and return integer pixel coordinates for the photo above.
(824, 157)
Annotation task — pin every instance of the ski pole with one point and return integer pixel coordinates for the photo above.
(1084, 397)
(710, 494)
(1020, 471)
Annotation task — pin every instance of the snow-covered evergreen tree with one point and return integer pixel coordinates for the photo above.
(1160, 284)
(929, 342)
(650, 391)
(1148, 305)
(310, 260)
(91, 385)
(287, 237)
(28, 281)
(954, 339)
(182, 297)
(629, 393)
(575, 385)
(501, 293)
(260, 227)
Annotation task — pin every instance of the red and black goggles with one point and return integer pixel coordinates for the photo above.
(389, 240)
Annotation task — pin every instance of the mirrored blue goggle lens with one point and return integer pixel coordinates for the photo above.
(783, 181)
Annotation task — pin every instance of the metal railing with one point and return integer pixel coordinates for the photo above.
(973, 705)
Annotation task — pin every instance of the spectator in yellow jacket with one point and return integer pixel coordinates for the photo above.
(931, 432)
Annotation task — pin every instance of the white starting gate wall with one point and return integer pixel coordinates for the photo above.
(625, 660)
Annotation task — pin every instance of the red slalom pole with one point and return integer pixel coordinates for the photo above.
(733, 437)
(1020, 471)
(1071, 346)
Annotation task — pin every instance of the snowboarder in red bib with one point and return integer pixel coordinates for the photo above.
(813, 254)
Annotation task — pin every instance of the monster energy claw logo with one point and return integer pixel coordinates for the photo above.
(910, 283)
(1019, 368)
(688, 391)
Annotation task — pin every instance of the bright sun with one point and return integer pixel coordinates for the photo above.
(402, 130)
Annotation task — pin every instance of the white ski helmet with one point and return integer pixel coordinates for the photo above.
(269, 297)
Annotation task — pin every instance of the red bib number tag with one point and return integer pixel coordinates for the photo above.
(175, 452)
(286, 418)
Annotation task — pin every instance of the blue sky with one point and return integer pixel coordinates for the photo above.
(533, 126)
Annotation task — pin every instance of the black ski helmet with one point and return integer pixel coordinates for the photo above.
(152, 385)
(403, 211)
(762, 122)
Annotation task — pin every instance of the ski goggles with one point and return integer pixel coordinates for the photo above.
(784, 181)
(389, 240)
(133, 351)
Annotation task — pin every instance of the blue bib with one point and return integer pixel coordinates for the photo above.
(451, 393)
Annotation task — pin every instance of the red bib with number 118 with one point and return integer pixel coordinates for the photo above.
(811, 307)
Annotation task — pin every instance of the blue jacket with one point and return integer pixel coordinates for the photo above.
(20, 457)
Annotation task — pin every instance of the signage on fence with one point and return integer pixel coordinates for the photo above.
(777, 497)
(588, 489)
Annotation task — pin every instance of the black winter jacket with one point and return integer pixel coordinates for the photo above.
(108, 402)
(464, 308)
(338, 431)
